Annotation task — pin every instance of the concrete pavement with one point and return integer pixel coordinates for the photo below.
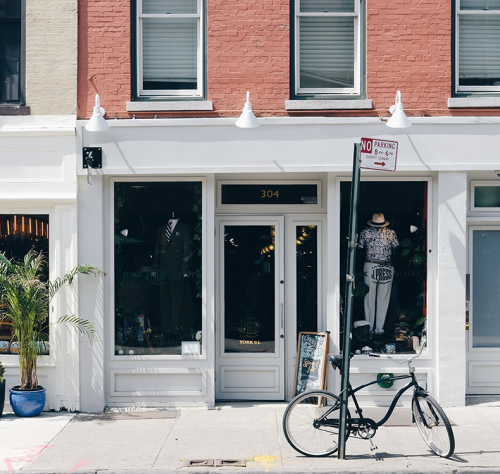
(143, 441)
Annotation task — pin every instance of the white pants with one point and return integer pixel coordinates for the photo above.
(379, 280)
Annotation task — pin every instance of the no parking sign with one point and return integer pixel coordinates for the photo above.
(380, 155)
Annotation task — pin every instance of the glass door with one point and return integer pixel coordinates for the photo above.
(250, 308)
(484, 311)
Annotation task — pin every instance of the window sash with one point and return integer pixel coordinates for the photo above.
(356, 45)
(463, 14)
(141, 92)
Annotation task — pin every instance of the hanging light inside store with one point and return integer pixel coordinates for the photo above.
(97, 122)
(247, 118)
(398, 119)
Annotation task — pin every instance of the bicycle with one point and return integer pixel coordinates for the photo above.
(311, 419)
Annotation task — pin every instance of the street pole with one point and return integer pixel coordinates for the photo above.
(351, 264)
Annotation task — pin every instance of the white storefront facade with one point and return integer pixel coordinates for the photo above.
(246, 286)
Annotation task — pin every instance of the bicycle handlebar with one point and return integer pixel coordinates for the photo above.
(386, 356)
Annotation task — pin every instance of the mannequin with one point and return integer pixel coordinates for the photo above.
(379, 242)
(173, 254)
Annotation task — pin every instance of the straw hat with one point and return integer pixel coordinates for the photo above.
(378, 220)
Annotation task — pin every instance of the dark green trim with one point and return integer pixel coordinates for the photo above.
(362, 61)
(454, 59)
(133, 62)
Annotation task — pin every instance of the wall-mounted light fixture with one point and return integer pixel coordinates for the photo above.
(97, 122)
(247, 118)
(398, 119)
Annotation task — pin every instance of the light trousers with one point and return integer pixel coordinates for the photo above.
(379, 279)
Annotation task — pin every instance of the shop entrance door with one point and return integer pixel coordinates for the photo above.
(483, 354)
(250, 308)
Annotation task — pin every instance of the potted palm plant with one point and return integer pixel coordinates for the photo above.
(25, 296)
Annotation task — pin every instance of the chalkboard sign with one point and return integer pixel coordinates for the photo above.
(311, 368)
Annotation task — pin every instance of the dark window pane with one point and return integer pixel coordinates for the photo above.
(158, 279)
(307, 278)
(487, 196)
(10, 55)
(249, 286)
(10, 8)
(269, 194)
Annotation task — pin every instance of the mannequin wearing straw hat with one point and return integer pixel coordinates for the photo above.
(379, 242)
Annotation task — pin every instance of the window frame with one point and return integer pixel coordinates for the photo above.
(138, 93)
(22, 57)
(478, 184)
(358, 91)
(466, 90)
(206, 310)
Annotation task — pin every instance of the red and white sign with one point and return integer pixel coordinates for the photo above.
(380, 155)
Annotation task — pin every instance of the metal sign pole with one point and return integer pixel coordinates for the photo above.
(351, 263)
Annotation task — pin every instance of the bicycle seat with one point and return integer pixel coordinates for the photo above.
(336, 360)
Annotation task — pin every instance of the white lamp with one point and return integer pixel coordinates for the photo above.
(97, 122)
(398, 119)
(247, 118)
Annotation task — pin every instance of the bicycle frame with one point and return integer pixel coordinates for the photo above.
(353, 423)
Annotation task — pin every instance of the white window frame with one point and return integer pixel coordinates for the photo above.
(480, 184)
(357, 53)
(459, 12)
(198, 92)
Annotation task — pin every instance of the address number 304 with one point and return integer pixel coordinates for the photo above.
(268, 194)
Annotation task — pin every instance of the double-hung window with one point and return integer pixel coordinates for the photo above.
(10, 52)
(327, 47)
(169, 51)
(477, 46)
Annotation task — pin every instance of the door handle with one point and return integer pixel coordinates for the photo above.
(282, 315)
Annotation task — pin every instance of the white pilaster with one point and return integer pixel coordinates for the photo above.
(449, 340)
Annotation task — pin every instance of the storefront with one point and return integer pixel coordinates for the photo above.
(222, 244)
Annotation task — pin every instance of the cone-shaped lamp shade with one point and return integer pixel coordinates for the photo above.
(398, 119)
(247, 118)
(97, 122)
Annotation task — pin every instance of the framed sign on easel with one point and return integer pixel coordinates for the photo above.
(311, 368)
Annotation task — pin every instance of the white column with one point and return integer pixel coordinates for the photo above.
(449, 341)
(91, 239)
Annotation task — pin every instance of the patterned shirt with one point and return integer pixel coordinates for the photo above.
(379, 243)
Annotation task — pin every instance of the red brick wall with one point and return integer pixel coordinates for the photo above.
(103, 56)
(408, 48)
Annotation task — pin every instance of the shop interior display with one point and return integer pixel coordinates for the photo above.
(158, 279)
(391, 265)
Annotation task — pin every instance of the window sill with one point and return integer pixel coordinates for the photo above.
(328, 104)
(170, 106)
(473, 102)
(14, 110)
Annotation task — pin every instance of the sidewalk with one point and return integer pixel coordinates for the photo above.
(138, 442)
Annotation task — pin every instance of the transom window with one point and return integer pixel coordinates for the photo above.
(478, 45)
(169, 48)
(327, 46)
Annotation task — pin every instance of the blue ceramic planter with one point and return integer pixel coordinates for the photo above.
(27, 402)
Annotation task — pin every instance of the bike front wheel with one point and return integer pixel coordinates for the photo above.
(436, 429)
(306, 430)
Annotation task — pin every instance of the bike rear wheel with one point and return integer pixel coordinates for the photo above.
(436, 430)
(303, 430)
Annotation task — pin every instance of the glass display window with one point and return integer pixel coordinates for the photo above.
(390, 295)
(158, 268)
(20, 233)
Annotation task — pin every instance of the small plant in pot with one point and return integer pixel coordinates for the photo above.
(25, 296)
(2, 389)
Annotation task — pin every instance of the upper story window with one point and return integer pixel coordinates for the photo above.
(327, 47)
(10, 52)
(478, 45)
(169, 48)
